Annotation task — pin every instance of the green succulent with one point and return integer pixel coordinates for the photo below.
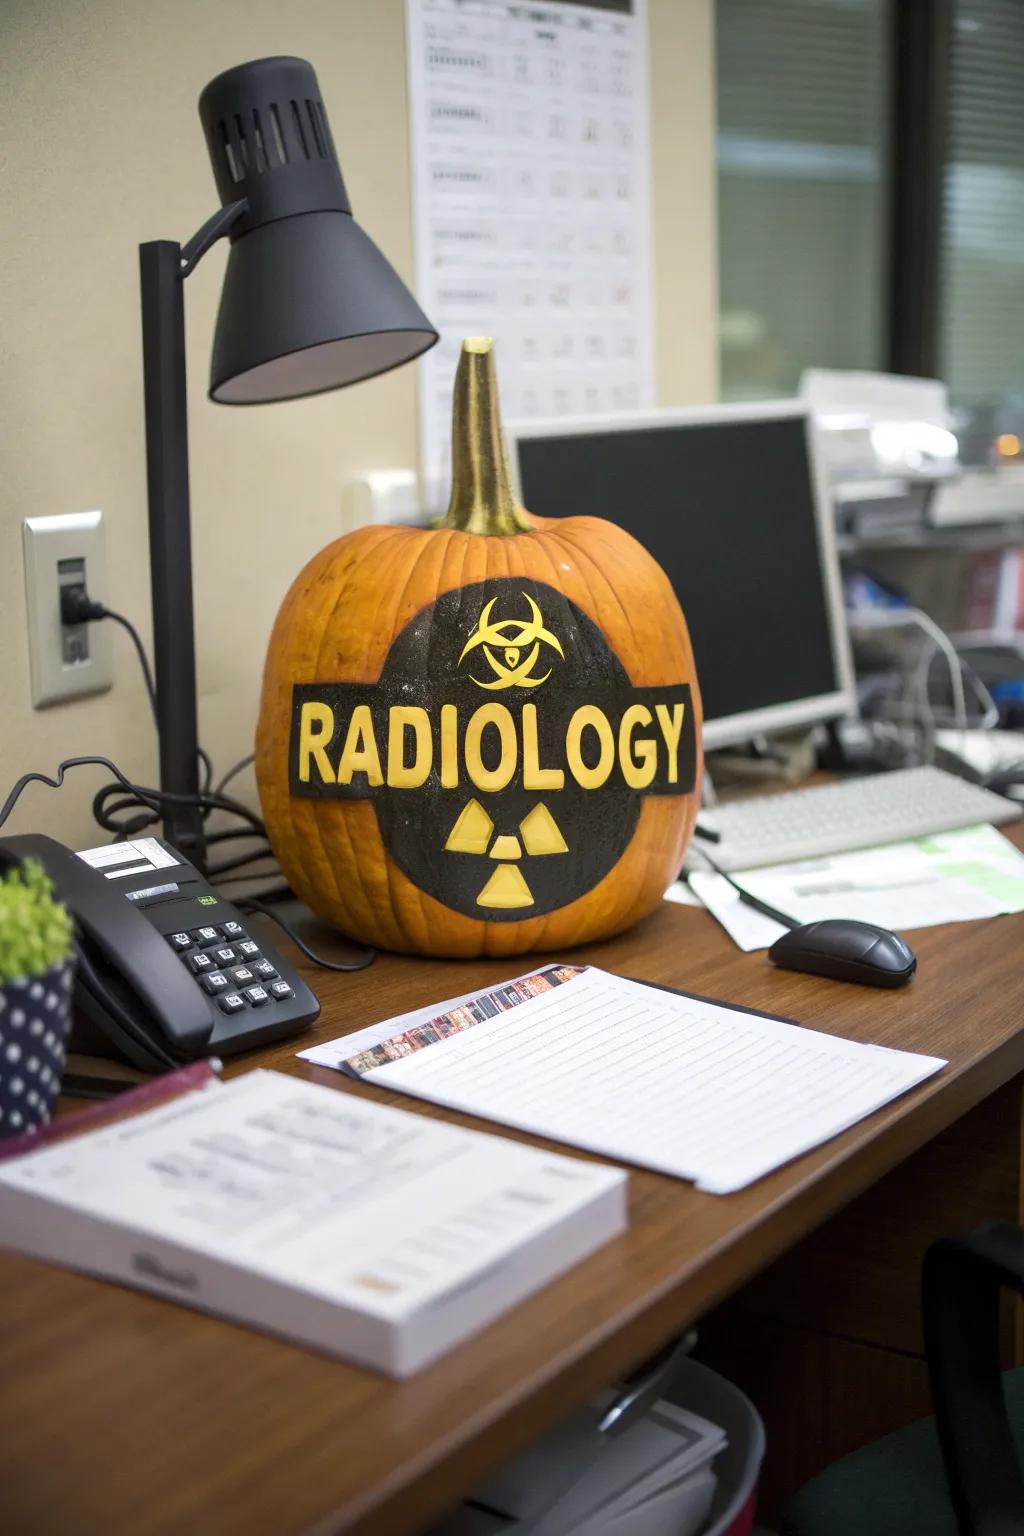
(36, 931)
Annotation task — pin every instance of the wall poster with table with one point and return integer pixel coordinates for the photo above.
(529, 142)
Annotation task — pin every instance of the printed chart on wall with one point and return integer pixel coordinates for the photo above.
(531, 173)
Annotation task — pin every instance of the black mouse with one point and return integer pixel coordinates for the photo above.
(846, 950)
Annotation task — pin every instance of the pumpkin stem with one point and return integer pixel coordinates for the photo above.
(481, 500)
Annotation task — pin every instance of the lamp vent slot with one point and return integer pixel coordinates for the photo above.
(330, 152)
(262, 158)
(314, 123)
(242, 145)
(229, 153)
(278, 136)
(300, 130)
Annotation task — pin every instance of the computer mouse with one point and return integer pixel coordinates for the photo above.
(846, 950)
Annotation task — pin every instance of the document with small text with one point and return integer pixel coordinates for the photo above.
(675, 1083)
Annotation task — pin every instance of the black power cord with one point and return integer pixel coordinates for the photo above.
(126, 809)
(747, 897)
(248, 904)
(155, 800)
(125, 817)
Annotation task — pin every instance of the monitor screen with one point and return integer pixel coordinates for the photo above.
(728, 509)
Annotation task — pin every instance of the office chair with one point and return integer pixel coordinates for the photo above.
(957, 1474)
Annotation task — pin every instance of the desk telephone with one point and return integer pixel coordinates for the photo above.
(166, 969)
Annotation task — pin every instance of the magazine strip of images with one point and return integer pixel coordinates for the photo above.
(475, 1011)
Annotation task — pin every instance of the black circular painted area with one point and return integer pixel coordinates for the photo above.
(423, 668)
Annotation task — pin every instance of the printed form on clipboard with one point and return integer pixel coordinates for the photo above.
(664, 1080)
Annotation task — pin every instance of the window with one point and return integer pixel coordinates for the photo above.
(804, 103)
(982, 327)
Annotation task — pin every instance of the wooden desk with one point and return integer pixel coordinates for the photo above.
(122, 1413)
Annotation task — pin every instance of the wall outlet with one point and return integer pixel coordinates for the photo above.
(66, 660)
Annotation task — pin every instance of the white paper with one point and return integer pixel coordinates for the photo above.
(677, 1084)
(115, 860)
(636, 1475)
(950, 877)
(531, 205)
(652, 1477)
(747, 928)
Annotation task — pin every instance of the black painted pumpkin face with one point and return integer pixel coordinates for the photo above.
(504, 749)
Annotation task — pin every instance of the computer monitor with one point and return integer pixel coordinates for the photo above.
(731, 503)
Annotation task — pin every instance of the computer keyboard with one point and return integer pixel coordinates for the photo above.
(855, 813)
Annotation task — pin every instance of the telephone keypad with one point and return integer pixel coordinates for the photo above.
(215, 965)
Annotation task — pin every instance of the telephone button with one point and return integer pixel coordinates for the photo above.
(281, 990)
(242, 976)
(226, 955)
(231, 1002)
(205, 936)
(264, 970)
(248, 950)
(257, 996)
(214, 982)
(232, 930)
(200, 962)
(180, 941)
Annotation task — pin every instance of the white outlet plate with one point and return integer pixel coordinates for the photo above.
(65, 664)
(382, 496)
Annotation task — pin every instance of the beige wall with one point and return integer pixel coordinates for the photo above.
(101, 148)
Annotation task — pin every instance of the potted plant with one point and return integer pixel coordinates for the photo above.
(36, 973)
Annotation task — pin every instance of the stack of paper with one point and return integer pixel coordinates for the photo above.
(365, 1231)
(949, 877)
(654, 1479)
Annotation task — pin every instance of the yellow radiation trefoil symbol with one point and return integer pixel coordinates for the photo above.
(511, 637)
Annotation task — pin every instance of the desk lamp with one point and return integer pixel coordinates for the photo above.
(309, 304)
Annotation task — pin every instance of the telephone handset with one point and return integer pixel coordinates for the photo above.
(166, 968)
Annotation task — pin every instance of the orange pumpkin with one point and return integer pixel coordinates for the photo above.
(482, 737)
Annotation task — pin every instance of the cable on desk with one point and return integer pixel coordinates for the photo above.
(249, 904)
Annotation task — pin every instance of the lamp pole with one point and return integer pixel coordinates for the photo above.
(164, 265)
(170, 538)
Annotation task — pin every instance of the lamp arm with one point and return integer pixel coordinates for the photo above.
(216, 226)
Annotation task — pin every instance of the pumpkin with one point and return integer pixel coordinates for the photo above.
(481, 737)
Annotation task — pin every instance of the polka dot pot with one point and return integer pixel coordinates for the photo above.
(35, 1020)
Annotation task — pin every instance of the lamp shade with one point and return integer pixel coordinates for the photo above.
(309, 303)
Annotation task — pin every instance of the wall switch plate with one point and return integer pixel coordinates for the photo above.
(66, 660)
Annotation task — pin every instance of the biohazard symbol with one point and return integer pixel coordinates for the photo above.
(511, 637)
(505, 886)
